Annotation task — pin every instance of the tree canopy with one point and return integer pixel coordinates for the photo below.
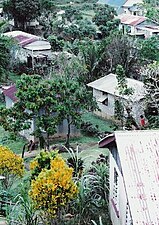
(48, 103)
(22, 11)
(105, 19)
(5, 55)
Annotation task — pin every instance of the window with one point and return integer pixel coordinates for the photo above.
(103, 98)
(115, 195)
(128, 220)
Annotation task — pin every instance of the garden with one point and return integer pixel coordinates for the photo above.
(50, 187)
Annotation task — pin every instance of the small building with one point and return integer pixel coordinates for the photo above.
(133, 7)
(10, 98)
(138, 26)
(30, 46)
(105, 91)
(134, 176)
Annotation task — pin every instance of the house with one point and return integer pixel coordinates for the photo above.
(105, 92)
(139, 26)
(31, 47)
(133, 7)
(10, 98)
(134, 176)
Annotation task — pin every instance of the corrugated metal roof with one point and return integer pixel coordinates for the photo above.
(109, 84)
(130, 3)
(131, 19)
(10, 93)
(23, 38)
(29, 41)
(139, 156)
(38, 45)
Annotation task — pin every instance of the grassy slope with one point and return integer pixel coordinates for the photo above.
(15, 146)
(103, 125)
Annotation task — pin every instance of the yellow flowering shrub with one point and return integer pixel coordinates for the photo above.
(42, 161)
(53, 188)
(10, 163)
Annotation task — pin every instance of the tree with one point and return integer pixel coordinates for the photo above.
(56, 45)
(152, 10)
(72, 14)
(123, 50)
(149, 49)
(36, 102)
(73, 99)
(11, 165)
(105, 19)
(151, 80)
(53, 188)
(47, 103)
(22, 11)
(5, 56)
(91, 56)
(120, 105)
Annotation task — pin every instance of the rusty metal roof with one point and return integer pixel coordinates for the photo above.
(131, 19)
(10, 93)
(22, 38)
(139, 156)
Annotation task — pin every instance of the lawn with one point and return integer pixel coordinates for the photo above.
(88, 145)
(103, 125)
(14, 145)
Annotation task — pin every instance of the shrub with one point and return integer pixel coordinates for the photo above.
(11, 165)
(53, 188)
(42, 161)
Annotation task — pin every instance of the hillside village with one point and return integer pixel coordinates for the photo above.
(79, 112)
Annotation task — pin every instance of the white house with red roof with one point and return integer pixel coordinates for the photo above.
(10, 99)
(133, 7)
(138, 25)
(29, 46)
(134, 177)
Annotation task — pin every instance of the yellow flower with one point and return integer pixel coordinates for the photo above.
(10, 163)
(53, 188)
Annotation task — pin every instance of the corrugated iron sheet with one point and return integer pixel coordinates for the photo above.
(10, 92)
(139, 155)
(109, 84)
(131, 19)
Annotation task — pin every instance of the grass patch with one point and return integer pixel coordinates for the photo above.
(103, 125)
(15, 145)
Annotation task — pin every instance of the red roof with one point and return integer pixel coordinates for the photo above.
(10, 93)
(24, 40)
(131, 19)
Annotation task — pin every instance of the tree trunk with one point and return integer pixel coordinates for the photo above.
(47, 142)
(67, 144)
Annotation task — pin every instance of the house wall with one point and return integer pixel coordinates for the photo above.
(137, 110)
(107, 111)
(61, 128)
(118, 206)
(9, 102)
(60, 132)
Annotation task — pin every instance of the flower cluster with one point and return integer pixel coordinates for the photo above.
(10, 163)
(53, 188)
(42, 161)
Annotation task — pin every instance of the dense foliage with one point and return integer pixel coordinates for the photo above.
(53, 188)
(22, 11)
(11, 165)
